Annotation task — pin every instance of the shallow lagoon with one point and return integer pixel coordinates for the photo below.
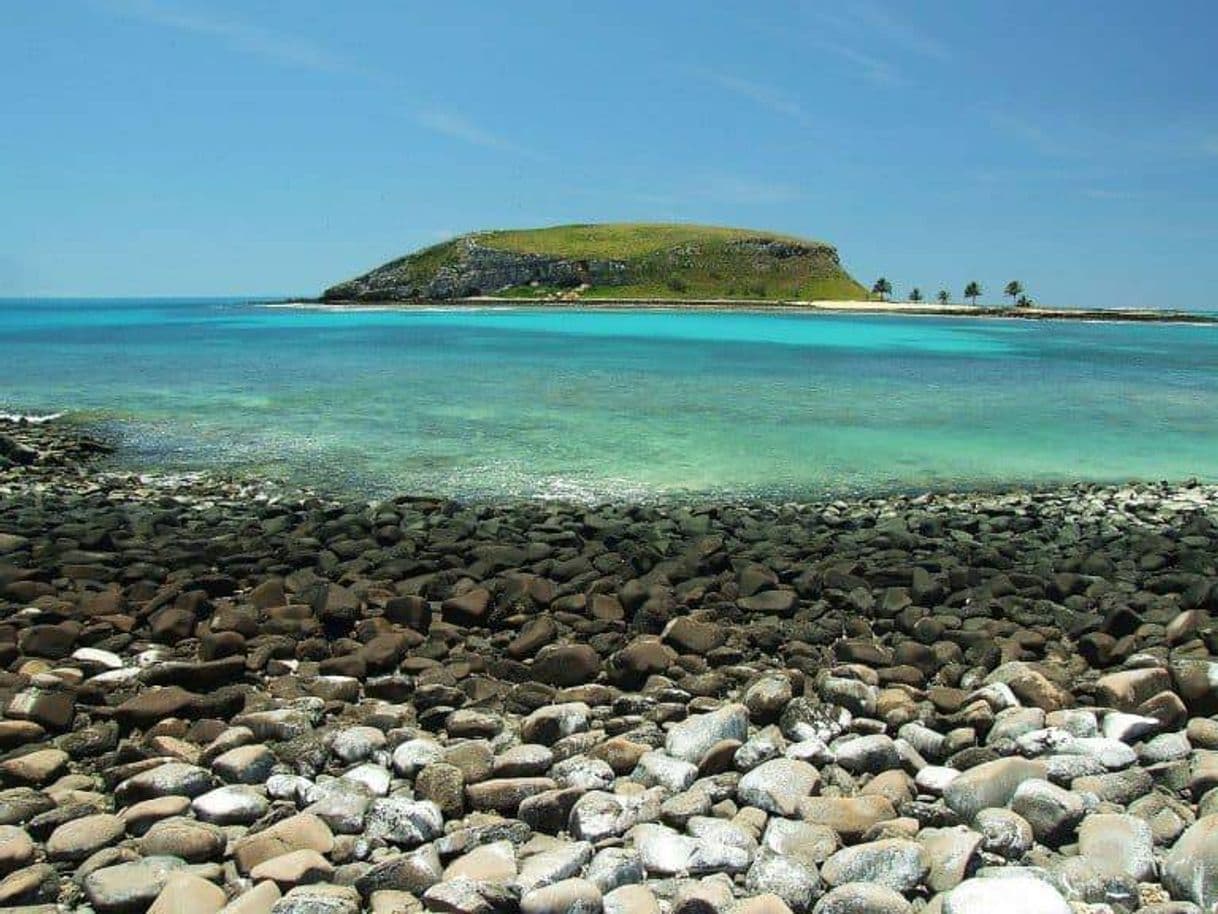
(590, 404)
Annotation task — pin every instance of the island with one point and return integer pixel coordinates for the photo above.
(618, 262)
(636, 264)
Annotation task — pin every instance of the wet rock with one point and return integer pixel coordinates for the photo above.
(468, 609)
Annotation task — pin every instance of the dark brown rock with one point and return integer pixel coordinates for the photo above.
(468, 609)
(567, 665)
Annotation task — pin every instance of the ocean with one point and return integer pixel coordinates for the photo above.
(591, 405)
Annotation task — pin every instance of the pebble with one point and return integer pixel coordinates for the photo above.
(1118, 844)
(896, 863)
(80, 838)
(862, 898)
(777, 786)
(237, 804)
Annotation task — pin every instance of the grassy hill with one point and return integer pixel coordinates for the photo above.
(623, 260)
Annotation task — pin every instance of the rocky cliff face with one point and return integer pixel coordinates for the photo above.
(472, 265)
(475, 270)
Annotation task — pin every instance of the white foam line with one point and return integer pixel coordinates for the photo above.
(31, 419)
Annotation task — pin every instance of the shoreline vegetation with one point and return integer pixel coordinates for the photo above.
(895, 308)
(217, 690)
(670, 266)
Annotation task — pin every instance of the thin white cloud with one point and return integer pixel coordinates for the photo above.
(457, 126)
(1104, 193)
(880, 20)
(841, 34)
(1031, 134)
(749, 191)
(760, 93)
(274, 45)
(872, 68)
(845, 29)
(291, 50)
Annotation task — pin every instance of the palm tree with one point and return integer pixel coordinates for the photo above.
(1014, 289)
(916, 294)
(973, 291)
(882, 288)
(943, 296)
(1024, 302)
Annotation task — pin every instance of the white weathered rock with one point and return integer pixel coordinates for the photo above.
(1012, 895)
(690, 739)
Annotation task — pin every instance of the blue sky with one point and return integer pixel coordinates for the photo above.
(179, 147)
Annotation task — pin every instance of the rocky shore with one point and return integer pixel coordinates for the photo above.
(222, 698)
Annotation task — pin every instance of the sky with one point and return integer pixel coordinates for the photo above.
(180, 147)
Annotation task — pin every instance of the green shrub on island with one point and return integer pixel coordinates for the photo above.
(612, 261)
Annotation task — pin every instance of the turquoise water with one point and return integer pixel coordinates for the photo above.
(493, 403)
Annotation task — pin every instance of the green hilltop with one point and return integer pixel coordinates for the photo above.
(612, 261)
